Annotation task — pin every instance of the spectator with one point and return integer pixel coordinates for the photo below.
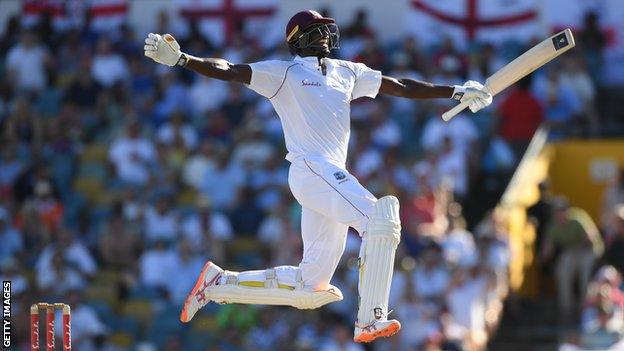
(87, 327)
(603, 313)
(84, 91)
(561, 104)
(575, 76)
(453, 167)
(118, 247)
(458, 245)
(207, 229)
(520, 114)
(26, 63)
(162, 221)
(108, 67)
(386, 133)
(132, 155)
(462, 132)
(10, 237)
(177, 131)
(203, 87)
(155, 266)
(57, 275)
(466, 298)
(198, 164)
(593, 42)
(222, 183)
(185, 263)
(573, 234)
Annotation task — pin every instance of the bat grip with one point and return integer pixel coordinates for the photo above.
(446, 116)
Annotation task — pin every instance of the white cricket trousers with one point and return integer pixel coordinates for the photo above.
(332, 200)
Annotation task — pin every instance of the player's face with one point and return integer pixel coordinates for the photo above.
(319, 36)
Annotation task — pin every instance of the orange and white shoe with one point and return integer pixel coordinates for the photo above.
(377, 329)
(209, 276)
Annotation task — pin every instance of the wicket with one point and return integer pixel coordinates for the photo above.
(49, 339)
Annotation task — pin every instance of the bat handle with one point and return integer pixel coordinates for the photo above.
(446, 116)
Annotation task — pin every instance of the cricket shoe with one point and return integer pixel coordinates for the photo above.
(209, 276)
(376, 329)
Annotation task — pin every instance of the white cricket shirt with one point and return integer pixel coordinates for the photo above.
(314, 109)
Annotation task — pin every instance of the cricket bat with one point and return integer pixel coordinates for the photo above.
(524, 64)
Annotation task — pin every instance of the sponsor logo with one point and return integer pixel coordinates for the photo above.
(307, 83)
(35, 336)
(68, 335)
(340, 175)
(378, 312)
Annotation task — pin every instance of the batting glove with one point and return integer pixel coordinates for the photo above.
(474, 93)
(163, 49)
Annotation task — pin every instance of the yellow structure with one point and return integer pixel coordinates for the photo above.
(578, 169)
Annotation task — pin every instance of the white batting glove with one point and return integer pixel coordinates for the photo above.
(473, 92)
(162, 49)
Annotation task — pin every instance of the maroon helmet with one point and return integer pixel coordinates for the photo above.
(305, 28)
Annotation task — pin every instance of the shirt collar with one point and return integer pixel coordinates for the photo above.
(308, 61)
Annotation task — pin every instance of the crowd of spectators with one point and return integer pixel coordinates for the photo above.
(120, 177)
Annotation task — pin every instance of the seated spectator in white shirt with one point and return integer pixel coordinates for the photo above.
(431, 277)
(177, 129)
(253, 149)
(186, 264)
(466, 300)
(161, 221)
(10, 238)
(452, 166)
(207, 229)
(56, 274)
(132, 155)
(198, 164)
(222, 183)
(155, 266)
(26, 63)
(461, 131)
(66, 254)
(203, 87)
(108, 67)
(418, 316)
(459, 245)
(385, 132)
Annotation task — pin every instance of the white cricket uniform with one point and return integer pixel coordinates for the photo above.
(314, 110)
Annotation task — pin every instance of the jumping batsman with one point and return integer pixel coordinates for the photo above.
(312, 95)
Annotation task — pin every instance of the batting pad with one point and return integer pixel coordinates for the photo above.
(281, 286)
(377, 260)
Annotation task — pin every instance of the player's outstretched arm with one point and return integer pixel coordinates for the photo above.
(414, 89)
(166, 50)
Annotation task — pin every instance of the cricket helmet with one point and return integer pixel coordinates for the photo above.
(305, 28)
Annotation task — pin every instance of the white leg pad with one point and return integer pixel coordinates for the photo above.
(280, 286)
(377, 260)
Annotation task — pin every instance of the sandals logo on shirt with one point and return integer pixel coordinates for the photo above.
(340, 175)
(307, 83)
